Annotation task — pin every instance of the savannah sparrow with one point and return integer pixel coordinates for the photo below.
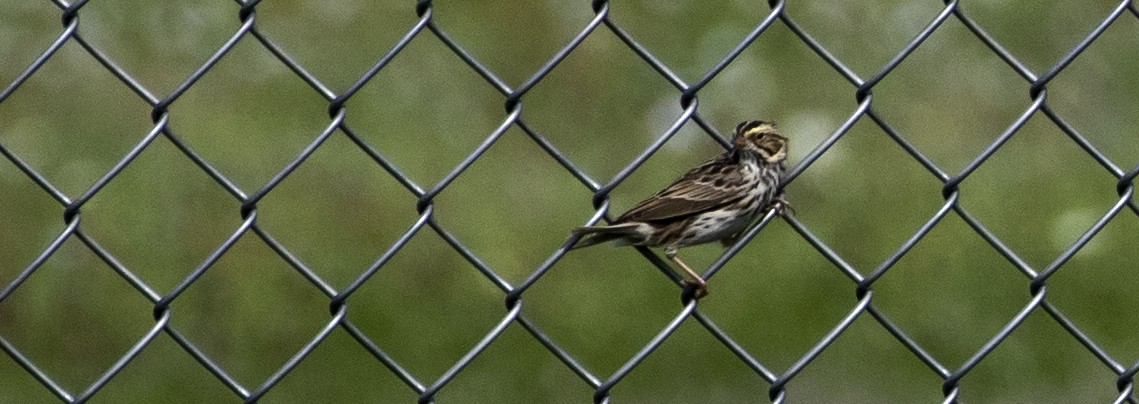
(714, 201)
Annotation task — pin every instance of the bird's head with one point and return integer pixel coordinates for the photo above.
(762, 138)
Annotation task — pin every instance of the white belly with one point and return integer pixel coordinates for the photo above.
(709, 227)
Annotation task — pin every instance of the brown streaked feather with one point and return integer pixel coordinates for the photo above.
(600, 234)
(701, 189)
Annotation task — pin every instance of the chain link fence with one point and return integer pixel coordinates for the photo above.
(605, 386)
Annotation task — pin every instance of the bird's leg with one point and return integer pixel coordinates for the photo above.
(696, 281)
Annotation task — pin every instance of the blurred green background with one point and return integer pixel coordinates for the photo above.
(250, 116)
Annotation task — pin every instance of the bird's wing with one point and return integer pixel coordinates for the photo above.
(706, 187)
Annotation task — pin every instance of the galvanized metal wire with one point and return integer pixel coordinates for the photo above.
(513, 99)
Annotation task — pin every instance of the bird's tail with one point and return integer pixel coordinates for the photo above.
(600, 234)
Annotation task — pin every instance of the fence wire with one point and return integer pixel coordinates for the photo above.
(513, 99)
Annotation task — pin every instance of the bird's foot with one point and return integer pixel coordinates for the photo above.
(780, 206)
(694, 289)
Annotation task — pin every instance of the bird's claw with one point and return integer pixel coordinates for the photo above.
(780, 206)
(693, 290)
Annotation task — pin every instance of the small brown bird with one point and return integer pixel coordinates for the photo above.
(714, 201)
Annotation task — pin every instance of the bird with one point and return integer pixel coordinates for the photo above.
(716, 201)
